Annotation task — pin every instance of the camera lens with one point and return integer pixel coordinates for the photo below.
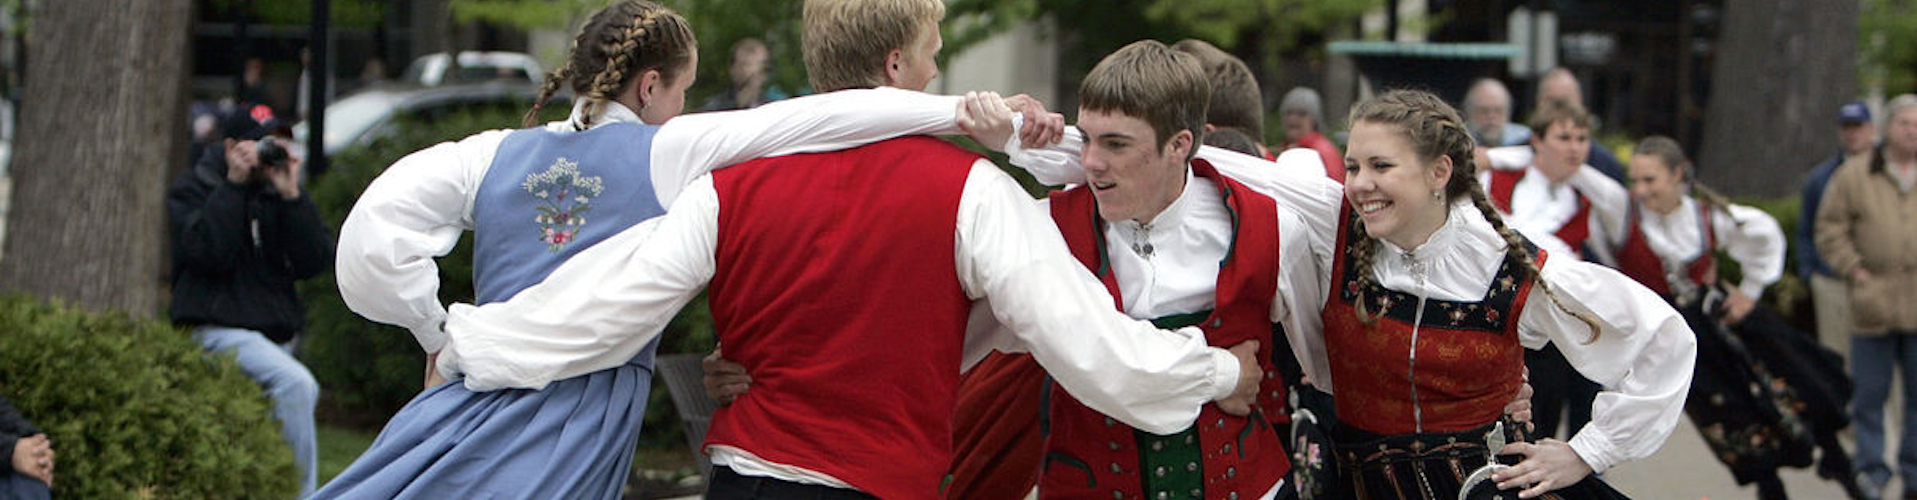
(271, 153)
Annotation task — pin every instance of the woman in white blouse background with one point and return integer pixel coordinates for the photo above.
(1432, 301)
(1673, 231)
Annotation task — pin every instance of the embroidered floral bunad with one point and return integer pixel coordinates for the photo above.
(565, 197)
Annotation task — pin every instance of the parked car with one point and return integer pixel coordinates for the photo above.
(362, 118)
(474, 66)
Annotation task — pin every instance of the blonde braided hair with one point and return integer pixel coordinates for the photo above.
(618, 43)
(1435, 130)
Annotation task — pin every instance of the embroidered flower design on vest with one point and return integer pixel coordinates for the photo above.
(565, 197)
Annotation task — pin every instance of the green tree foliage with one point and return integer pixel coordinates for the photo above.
(1260, 31)
(135, 409)
(1887, 44)
(525, 14)
(345, 13)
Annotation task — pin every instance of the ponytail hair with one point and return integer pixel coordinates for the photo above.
(1667, 150)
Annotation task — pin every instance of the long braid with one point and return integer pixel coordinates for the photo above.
(551, 85)
(1515, 253)
(1364, 252)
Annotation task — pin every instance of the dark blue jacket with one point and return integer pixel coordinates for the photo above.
(1805, 245)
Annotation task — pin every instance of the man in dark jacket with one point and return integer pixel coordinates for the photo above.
(28, 473)
(243, 232)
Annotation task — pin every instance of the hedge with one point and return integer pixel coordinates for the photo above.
(136, 409)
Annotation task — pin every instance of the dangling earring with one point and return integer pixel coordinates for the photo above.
(1437, 194)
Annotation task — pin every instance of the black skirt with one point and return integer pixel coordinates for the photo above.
(1764, 394)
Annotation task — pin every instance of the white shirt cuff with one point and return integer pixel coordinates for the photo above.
(431, 334)
(1595, 451)
(1224, 374)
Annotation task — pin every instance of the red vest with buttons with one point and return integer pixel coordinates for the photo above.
(1637, 260)
(1089, 455)
(1468, 363)
(1575, 229)
(836, 287)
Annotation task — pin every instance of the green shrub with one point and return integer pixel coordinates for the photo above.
(135, 409)
(369, 370)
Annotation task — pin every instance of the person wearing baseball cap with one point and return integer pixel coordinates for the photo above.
(243, 233)
(1855, 136)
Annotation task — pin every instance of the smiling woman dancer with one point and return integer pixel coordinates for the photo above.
(1432, 302)
(535, 197)
(1765, 393)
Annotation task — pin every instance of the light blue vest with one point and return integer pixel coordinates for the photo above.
(550, 195)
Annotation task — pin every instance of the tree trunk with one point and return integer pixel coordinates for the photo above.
(101, 122)
(1783, 67)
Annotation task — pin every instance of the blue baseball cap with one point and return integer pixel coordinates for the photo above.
(1853, 112)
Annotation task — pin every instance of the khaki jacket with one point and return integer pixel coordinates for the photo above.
(1867, 221)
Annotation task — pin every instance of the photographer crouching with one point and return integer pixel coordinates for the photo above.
(243, 232)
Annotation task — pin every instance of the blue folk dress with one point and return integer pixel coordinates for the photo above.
(548, 195)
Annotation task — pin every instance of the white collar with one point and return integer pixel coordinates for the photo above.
(612, 112)
(1441, 239)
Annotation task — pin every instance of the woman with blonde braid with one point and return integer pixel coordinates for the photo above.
(535, 197)
(1765, 393)
(1432, 302)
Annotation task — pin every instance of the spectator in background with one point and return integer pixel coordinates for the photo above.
(243, 232)
(750, 67)
(1559, 83)
(1234, 140)
(29, 474)
(1828, 292)
(1487, 110)
(1866, 226)
(1304, 116)
(252, 84)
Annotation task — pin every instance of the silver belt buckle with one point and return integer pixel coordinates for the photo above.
(1493, 441)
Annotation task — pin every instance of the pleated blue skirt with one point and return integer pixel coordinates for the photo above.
(574, 439)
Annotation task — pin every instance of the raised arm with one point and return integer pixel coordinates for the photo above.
(1643, 355)
(594, 312)
(412, 213)
(1151, 379)
(692, 145)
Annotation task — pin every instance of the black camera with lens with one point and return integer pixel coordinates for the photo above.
(272, 154)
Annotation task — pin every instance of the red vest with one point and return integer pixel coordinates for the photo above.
(1575, 229)
(998, 441)
(1637, 260)
(1469, 363)
(836, 287)
(1089, 455)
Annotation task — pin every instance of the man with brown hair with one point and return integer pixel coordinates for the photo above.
(870, 258)
(1179, 244)
(1544, 192)
(1236, 101)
